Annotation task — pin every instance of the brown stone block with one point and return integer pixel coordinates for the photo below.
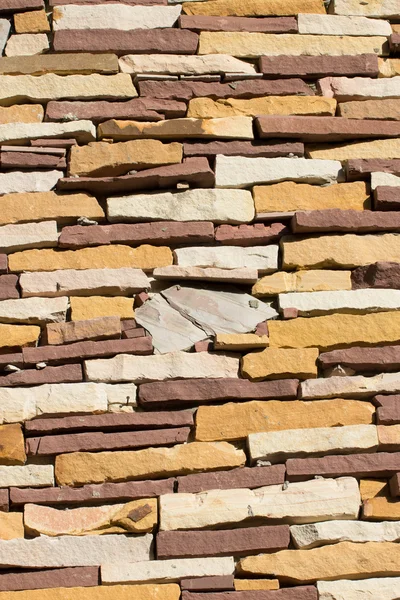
(15, 359)
(263, 25)
(76, 331)
(358, 358)
(324, 129)
(129, 334)
(85, 350)
(394, 42)
(394, 484)
(195, 171)
(64, 64)
(377, 275)
(250, 235)
(387, 198)
(246, 477)
(137, 41)
(20, 5)
(27, 160)
(195, 391)
(236, 542)
(8, 287)
(12, 447)
(308, 592)
(361, 168)
(208, 584)
(388, 411)
(238, 148)
(185, 90)
(4, 500)
(63, 374)
(156, 233)
(314, 67)
(382, 464)
(97, 441)
(3, 263)
(92, 494)
(49, 578)
(110, 422)
(344, 220)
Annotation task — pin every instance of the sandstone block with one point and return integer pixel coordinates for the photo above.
(342, 25)
(248, 235)
(357, 358)
(20, 5)
(32, 160)
(383, 587)
(4, 502)
(257, 8)
(262, 258)
(344, 220)
(12, 449)
(208, 584)
(376, 509)
(276, 363)
(79, 468)
(168, 64)
(302, 281)
(9, 290)
(370, 109)
(298, 593)
(370, 488)
(243, 477)
(33, 311)
(14, 336)
(239, 341)
(332, 532)
(377, 275)
(5, 27)
(376, 149)
(11, 526)
(381, 464)
(345, 89)
(31, 22)
(318, 499)
(394, 484)
(364, 168)
(26, 476)
(95, 307)
(357, 386)
(312, 67)
(49, 578)
(63, 374)
(355, 7)
(22, 113)
(91, 329)
(29, 181)
(256, 584)
(142, 592)
(26, 44)
(271, 105)
(389, 437)
(266, 25)
(234, 421)
(387, 197)
(243, 275)
(67, 64)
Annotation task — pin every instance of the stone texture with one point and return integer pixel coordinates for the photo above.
(363, 168)
(14, 336)
(5, 27)
(20, 208)
(302, 281)
(265, 259)
(256, 584)
(67, 64)
(64, 374)
(178, 64)
(11, 526)
(51, 578)
(249, 235)
(70, 551)
(276, 446)
(299, 503)
(312, 67)
(387, 8)
(20, 5)
(276, 363)
(342, 25)
(386, 198)
(4, 500)
(31, 22)
(102, 159)
(53, 87)
(238, 542)
(257, 8)
(240, 275)
(357, 386)
(389, 437)
(33, 160)
(243, 477)
(345, 89)
(380, 508)
(26, 44)
(119, 282)
(33, 311)
(124, 592)
(374, 149)
(344, 220)
(394, 484)
(21, 113)
(91, 329)
(12, 448)
(381, 464)
(265, 25)
(79, 468)
(384, 588)
(300, 593)
(385, 179)
(270, 105)
(357, 358)
(26, 476)
(371, 109)
(95, 307)
(225, 128)
(208, 584)
(234, 421)
(195, 391)
(30, 181)
(237, 341)
(388, 411)
(238, 171)
(377, 275)
(166, 570)
(331, 532)
(8, 287)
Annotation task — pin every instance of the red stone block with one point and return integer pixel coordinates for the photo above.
(262, 328)
(336, 219)
(290, 313)
(394, 485)
(8, 287)
(130, 334)
(388, 411)
(361, 168)
(394, 43)
(239, 148)
(3, 263)
(358, 358)
(15, 359)
(244, 477)
(203, 346)
(54, 143)
(262, 25)
(387, 198)
(141, 298)
(49, 578)
(250, 235)
(63, 374)
(20, 5)
(377, 275)
(208, 584)
(26, 160)
(308, 592)
(314, 67)
(381, 464)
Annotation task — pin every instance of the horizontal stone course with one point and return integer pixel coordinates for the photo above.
(313, 67)
(244, 477)
(381, 464)
(49, 578)
(62, 374)
(216, 23)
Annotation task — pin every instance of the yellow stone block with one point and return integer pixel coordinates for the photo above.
(289, 196)
(21, 113)
(93, 307)
(234, 420)
(18, 336)
(302, 281)
(336, 331)
(206, 108)
(253, 8)
(11, 526)
(255, 584)
(278, 363)
(154, 591)
(381, 509)
(240, 341)
(370, 488)
(101, 257)
(12, 445)
(343, 251)
(376, 149)
(34, 21)
(389, 67)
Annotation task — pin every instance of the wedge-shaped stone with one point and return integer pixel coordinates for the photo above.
(12, 449)
(5, 27)
(116, 16)
(31, 235)
(342, 25)
(276, 363)
(360, 88)
(299, 503)
(276, 446)
(70, 551)
(104, 159)
(160, 571)
(15, 88)
(386, 8)
(79, 468)
(138, 516)
(331, 532)
(206, 108)
(61, 64)
(381, 508)
(219, 206)
(94, 307)
(302, 281)
(34, 311)
(20, 208)
(103, 257)
(245, 276)
(371, 109)
(118, 282)
(256, 8)
(11, 526)
(28, 181)
(384, 588)
(339, 561)
(253, 45)
(91, 329)
(82, 131)
(170, 64)
(352, 301)
(235, 421)
(376, 149)
(238, 171)
(14, 336)
(357, 386)
(23, 113)
(335, 331)
(26, 476)
(229, 127)
(263, 258)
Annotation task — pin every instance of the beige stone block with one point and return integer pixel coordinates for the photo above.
(381, 508)
(289, 196)
(375, 149)
(387, 108)
(122, 592)
(276, 363)
(11, 525)
(89, 329)
(27, 44)
(235, 421)
(22, 113)
(389, 437)
(34, 21)
(94, 307)
(374, 8)
(253, 8)
(12, 446)
(336, 331)
(239, 341)
(206, 108)
(302, 281)
(255, 584)
(18, 336)
(370, 488)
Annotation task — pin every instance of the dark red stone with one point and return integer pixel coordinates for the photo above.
(195, 171)
(140, 299)
(136, 41)
(386, 197)
(394, 485)
(28, 160)
(129, 334)
(231, 542)
(263, 25)
(361, 168)
(85, 350)
(49, 578)
(4, 500)
(156, 233)
(3, 263)
(92, 494)
(201, 391)
(308, 592)
(240, 148)
(20, 5)
(388, 409)
(381, 464)
(128, 324)
(15, 359)
(243, 477)
(377, 275)
(62, 374)
(358, 358)
(203, 346)
(394, 43)
(185, 90)
(8, 287)
(345, 220)
(208, 584)
(314, 67)
(250, 235)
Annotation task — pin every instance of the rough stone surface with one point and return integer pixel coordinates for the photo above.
(21, 113)
(244, 477)
(387, 8)
(31, 22)
(257, 8)
(344, 220)
(63, 374)
(345, 89)
(11, 526)
(319, 66)
(357, 386)
(26, 44)
(378, 509)
(377, 275)
(363, 168)
(265, 25)
(5, 27)
(384, 588)
(331, 532)
(275, 363)
(256, 584)
(8, 287)
(94, 307)
(302, 281)
(371, 109)
(92, 329)
(207, 108)
(243, 275)
(33, 311)
(165, 64)
(375, 149)
(51, 578)
(30, 181)
(142, 592)
(300, 593)
(67, 64)
(208, 584)
(386, 198)
(17, 336)
(12, 448)
(237, 341)
(357, 358)
(26, 476)
(342, 25)
(382, 464)
(247, 235)
(265, 259)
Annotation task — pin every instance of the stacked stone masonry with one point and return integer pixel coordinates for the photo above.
(199, 299)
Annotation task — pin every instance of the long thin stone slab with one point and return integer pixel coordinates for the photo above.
(319, 499)
(312, 67)
(346, 89)
(385, 9)
(381, 464)
(71, 551)
(33, 310)
(262, 258)
(82, 131)
(381, 588)
(30, 235)
(345, 220)
(357, 358)
(216, 23)
(49, 578)
(124, 592)
(115, 282)
(26, 476)
(332, 532)
(240, 276)
(296, 593)
(340, 301)
(62, 374)
(239, 172)
(257, 8)
(28, 181)
(243, 477)
(166, 64)
(342, 25)
(67, 64)
(350, 387)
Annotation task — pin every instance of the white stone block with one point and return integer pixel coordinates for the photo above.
(26, 476)
(263, 258)
(342, 25)
(28, 235)
(345, 89)
(172, 64)
(28, 181)
(381, 588)
(82, 131)
(332, 532)
(27, 44)
(376, 8)
(34, 311)
(357, 386)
